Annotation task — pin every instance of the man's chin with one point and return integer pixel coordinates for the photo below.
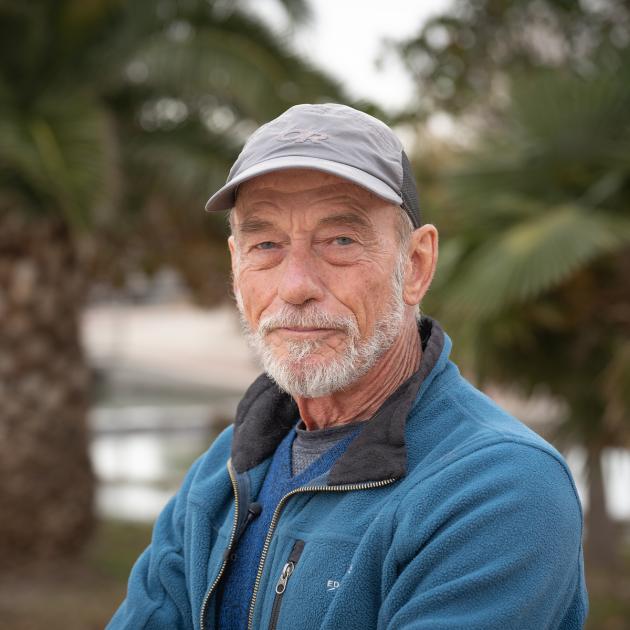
(303, 368)
(314, 376)
(305, 353)
(302, 385)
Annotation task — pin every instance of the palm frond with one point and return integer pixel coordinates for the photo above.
(59, 153)
(530, 257)
(238, 62)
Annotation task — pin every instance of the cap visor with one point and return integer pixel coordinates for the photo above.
(223, 199)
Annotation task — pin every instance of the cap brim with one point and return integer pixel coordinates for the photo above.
(224, 198)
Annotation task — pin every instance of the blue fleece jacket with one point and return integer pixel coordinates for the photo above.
(444, 513)
(235, 590)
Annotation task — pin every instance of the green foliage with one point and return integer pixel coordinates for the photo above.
(534, 266)
(106, 103)
(55, 154)
(124, 116)
(528, 258)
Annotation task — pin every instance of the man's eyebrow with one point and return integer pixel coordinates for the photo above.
(346, 218)
(253, 224)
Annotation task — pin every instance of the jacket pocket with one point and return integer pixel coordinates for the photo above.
(281, 584)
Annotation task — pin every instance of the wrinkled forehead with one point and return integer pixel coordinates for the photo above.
(290, 187)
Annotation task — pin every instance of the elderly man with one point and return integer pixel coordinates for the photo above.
(364, 483)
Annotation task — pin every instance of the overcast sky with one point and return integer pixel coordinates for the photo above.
(345, 38)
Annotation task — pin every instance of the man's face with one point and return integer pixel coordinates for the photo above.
(317, 276)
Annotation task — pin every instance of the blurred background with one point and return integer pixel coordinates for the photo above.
(120, 351)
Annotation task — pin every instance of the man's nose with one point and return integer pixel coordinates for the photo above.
(299, 281)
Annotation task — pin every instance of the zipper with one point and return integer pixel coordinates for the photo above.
(226, 555)
(274, 520)
(281, 585)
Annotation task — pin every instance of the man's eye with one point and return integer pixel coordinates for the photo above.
(265, 245)
(344, 240)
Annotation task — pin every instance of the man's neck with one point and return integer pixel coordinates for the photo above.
(363, 399)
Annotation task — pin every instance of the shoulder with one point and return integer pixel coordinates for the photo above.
(497, 525)
(500, 490)
(514, 472)
(466, 452)
(453, 419)
(503, 506)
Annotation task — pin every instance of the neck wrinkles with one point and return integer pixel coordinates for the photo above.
(363, 399)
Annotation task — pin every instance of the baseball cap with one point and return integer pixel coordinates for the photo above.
(332, 138)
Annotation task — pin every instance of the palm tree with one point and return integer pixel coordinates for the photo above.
(114, 118)
(534, 273)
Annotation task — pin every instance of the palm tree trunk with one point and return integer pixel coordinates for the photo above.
(46, 482)
(602, 536)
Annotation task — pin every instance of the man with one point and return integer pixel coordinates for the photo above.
(364, 484)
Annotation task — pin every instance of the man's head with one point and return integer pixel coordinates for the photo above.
(327, 272)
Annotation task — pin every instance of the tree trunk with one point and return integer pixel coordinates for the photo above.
(46, 482)
(602, 535)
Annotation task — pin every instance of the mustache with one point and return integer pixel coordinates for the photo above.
(306, 317)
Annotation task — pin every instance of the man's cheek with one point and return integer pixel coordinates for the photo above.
(249, 303)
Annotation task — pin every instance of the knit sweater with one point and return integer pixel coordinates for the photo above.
(310, 445)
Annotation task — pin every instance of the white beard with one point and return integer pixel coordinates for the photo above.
(301, 376)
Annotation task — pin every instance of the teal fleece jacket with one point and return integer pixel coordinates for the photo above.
(444, 513)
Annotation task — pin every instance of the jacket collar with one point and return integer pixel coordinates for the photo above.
(266, 414)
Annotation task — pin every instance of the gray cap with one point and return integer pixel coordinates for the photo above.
(331, 138)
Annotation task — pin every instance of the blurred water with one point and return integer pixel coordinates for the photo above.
(616, 475)
(140, 454)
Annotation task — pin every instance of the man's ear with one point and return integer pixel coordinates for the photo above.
(421, 263)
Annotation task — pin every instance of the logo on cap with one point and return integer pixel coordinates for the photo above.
(303, 135)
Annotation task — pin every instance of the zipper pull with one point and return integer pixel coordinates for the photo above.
(253, 510)
(287, 570)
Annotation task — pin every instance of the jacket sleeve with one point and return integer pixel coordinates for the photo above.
(496, 543)
(157, 595)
